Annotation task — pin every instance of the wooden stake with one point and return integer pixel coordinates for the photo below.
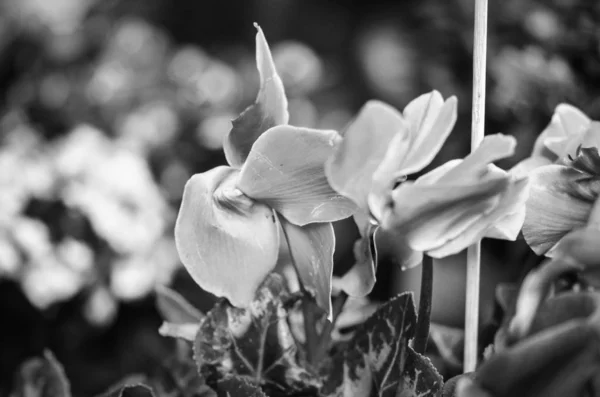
(477, 132)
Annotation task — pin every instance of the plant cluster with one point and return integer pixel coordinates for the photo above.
(258, 233)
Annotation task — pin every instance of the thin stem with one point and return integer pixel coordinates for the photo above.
(308, 312)
(477, 132)
(325, 337)
(425, 300)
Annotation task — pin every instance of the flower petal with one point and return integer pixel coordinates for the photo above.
(503, 221)
(228, 247)
(551, 210)
(285, 170)
(564, 133)
(269, 109)
(311, 248)
(360, 279)
(429, 216)
(364, 144)
(431, 120)
(493, 148)
(529, 164)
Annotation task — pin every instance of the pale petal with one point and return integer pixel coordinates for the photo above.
(428, 216)
(365, 143)
(591, 137)
(551, 210)
(503, 221)
(311, 248)
(360, 279)
(564, 133)
(285, 170)
(269, 109)
(227, 246)
(493, 148)
(431, 121)
(526, 166)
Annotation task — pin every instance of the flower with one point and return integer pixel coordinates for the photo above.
(379, 148)
(443, 211)
(564, 170)
(228, 228)
(561, 199)
(568, 129)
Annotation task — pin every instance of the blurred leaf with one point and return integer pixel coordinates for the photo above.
(42, 377)
(131, 391)
(449, 343)
(237, 386)
(269, 110)
(174, 308)
(378, 360)
(255, 342)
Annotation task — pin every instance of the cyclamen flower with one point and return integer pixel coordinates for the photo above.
(228, 227)
(442, 212)
(569, 129)
(564, 170)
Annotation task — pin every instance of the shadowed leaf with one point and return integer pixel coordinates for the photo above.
(42, 377)
(236, 386)
(379, 362)
(255, 342)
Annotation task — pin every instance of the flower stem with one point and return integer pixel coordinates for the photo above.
(425, 298)
(477, 132)
(325, 337)
(308, 310)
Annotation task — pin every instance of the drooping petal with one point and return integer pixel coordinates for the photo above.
(285, 170)
(431, 120)
(552, 211)
(564, 133)
(430, 215)
(475, 166)
(360, 279)
(365, 143)
(227, 242)
(311, 248)
(503, 221)
(269, 109)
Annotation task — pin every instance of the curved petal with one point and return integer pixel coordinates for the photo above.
(431, 120)
(269, 109)
(311, 248)
(564, 133)
(529, 164)
(475, 166)
(360, 279)
(285, 169)
(228, 244)
(365, 143)
(551, 210)
(503, 221)
(429, 216)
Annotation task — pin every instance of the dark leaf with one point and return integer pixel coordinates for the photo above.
(378, 360)
(174, 308)
(236, 386)
(448, 343)
(138, 390)
(255, 342)
(42, 377)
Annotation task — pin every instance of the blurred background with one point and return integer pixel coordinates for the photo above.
(107, 107)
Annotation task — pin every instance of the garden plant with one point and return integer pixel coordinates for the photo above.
(258, 234)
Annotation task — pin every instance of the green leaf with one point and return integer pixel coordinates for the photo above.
(448, 342)
(255, 342)
(378, 361)
(174, 308)
(178, 376)
(237, 386)
(138, 390)
(42, 377)
(269, 109)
